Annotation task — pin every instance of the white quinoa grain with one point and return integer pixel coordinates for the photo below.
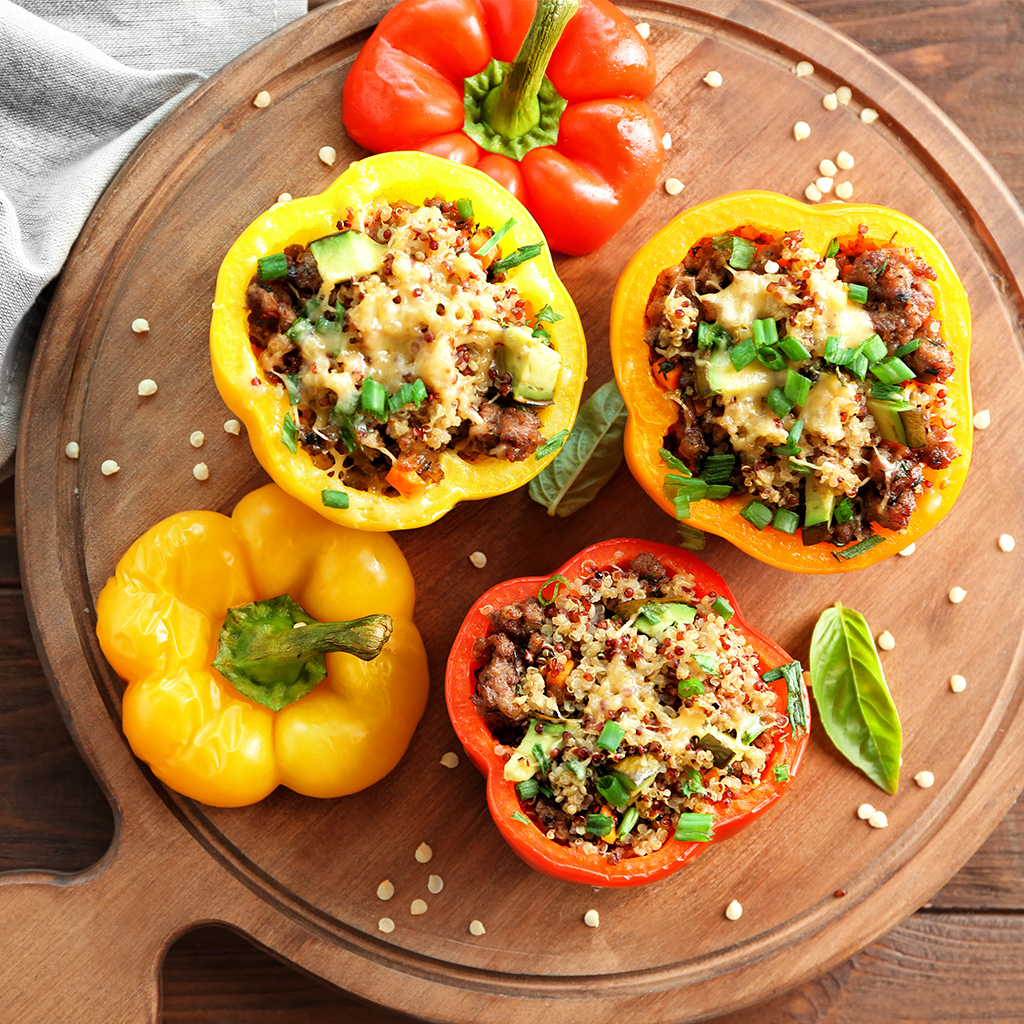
(140, 326)
(803, 69)
(71, 450)
(386, 925)
(983, 420)
(869, 115)
(232, 427)
(479, 559)
(956, 595)
(328, 154)
(827, 168)
(844, 94)
(957, 683)
(925, 780)
(829, 101)
(844, 189)
(666, 140)
(418, 907)
(909, 550)
(109, 467)
(865, 811)
(713, 78)
(261, 99)
(284, 197)
(196, 438)
(476, 928)
(201, 471)
(801, 130)
(450, 760)
(591, 918)
(643, 30)
(147, 387)
(844, 161)
(734, 911)
(673, 186)
(886, 641)
(878, 820)
(385, 890)
(435, 883)
(813, 193)
(423, 853)
(1006, 542)
(824, 185)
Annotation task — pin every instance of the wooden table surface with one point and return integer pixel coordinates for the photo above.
(960, 957)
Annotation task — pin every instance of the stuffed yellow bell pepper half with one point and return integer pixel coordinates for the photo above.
(267, 648)
(398, 343)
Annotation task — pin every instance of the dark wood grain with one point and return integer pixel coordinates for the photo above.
(958, 959)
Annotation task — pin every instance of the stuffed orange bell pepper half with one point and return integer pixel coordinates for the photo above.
(623, 712)
(546, 97)
(267, 648)
(797, 377)
(398, 343)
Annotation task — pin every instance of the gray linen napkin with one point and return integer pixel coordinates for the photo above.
(81, 85)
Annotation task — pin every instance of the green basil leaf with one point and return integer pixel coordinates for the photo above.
(854, 704)
(589, 457)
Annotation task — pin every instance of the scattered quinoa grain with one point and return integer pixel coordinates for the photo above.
(643, 30)
(909, 550)
(878, 820)
(869, 115)
(666, 140)
(844, 189)
(109, 467)
(479, 559)
(813, 193)
(1006, 542)
(261, 99)
(957, 683)
(284, 197)
(201, 471)
(956, 595)
(385, 890)
(734, 911)
(886, 641)
(71, 450)
(844, 94)
(983, 420)
(435, 883)
(865, 811)
(824, 185)
(829, 101)
(476, 928)
(801, 130)
(196, 438)
(450, 760)
(232, 427)
(424, 853)
(328, 154)
(673, 186)
(418, 907)
(827, 168)
(140, 326)
(386, 925)
(147, 387)
(713, 78)
(925, 780)
(591, 918)
(844, 161)
(803, 69)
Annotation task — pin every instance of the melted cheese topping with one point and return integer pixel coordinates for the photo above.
(749, 297)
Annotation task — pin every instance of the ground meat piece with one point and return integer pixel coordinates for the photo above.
(686, 437)
(303, 271)
(520, 620)
(497, 680)
(931, 361)
(648, 566)
(938, 455)
(709, 265)
(416, 457)
(271, 309)
(506, 433)
(671, 281)
(900, 297)
(892, 511)
(552, 818)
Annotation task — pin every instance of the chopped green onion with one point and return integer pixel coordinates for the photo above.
(513, 259)
(781, 772)
(629, 820)
(723, 608)
(792, 672)
(556, 583)
(551, 445)
(695, 828)
(673, 462)
(269, 268)
(857, 293)
(757, 514)
(798, 387)
(578, 768)
(793, 350)
(519, 816)
(599, 825)
(718, 468)
(843, 512)
(334, 499)
(716, 492)
(613, 791)
(743, 253)
(690, 687)
(346, 428)
(874, 348)
(693, 784)
(777, 401)
(465, 208)
(908, 347)
(892, 371)
(865, 545)
(832, 250)
(291, 385)
(542, 759)
(611, 736)
(833, 349)
(300, 327)
(771, 357)
(496, 237)
(692, 486)
(885, 391)
(764, 332)
(289, 433)
(711, 335)
(414, 392)
(682, 506)
(786, 520)
(374, 398)
(708, 663)
(690, 538)
(743, 354)
(858, 364)
(527, 789)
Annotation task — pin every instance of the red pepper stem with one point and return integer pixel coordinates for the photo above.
(513, 108)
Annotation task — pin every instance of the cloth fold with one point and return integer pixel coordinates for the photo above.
(81, 85)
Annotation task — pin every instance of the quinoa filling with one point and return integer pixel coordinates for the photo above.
(410, 343)
(632, 706)
(813, 382)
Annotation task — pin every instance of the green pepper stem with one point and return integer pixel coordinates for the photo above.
(513, 108)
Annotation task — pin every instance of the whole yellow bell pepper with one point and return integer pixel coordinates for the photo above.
(159, 623)
(262, 407)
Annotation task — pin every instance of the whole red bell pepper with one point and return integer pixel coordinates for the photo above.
(551, 106)
(573, 864)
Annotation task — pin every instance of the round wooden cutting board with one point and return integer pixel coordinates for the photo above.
(300, 876)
